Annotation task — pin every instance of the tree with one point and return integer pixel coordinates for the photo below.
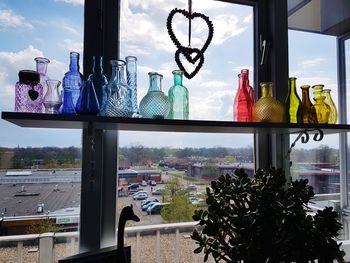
(172, 188)
(179, 209)
(230, 159)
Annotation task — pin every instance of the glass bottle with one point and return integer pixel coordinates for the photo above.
(87, 103)
(68, 106)
(322, 109)
(131, 77)
(243, 105)
(98, 79)
(155, 104)
(293, 113)
(317, 90)
(72, 79)
(118, 102)
(308, 113)
(178, 97)
(267, 108)
(41, 68)
(250, 88)
(28, 92)
(333, 115)
(52, 99)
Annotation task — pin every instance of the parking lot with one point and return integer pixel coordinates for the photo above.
(144, 218)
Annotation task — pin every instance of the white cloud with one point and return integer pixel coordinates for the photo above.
(215, 83)
(8, 19)
(71, 45)
(225, 27)
(248, 18)
(73, 2)
(312, 62)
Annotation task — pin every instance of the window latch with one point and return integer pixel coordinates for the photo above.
(265, 48)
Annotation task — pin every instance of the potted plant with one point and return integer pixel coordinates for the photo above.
(265, 219)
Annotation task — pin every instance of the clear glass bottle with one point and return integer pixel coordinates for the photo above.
(333, 115)
(322, 109)
(118, 102)
(268, 108)
(87, 103)
(293, 112)
(178, 97)
(52, 99)
(249, 87)
(41, 68)
(308, 113)
(131, 77)
(155, 104)
(98, 79)
(72, 80)
(28, 92)
(243, 105)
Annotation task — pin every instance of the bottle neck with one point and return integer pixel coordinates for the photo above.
(41, 67)
(74, 63)
(266, 91)
(97, 65)
(243, 81)
(292, 86)
(178, 79)
(118, 73)
(154, 83)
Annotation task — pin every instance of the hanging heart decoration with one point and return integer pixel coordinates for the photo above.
(192, 55)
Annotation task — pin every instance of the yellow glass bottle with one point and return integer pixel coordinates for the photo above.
(267, 108)
(322, 109)
(317, 90)
(293, 113)
(308, 113)
(333, 115)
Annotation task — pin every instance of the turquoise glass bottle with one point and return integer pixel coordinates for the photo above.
(178, 96)
(98, 79)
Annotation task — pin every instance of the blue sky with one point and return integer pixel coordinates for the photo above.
(53, 28)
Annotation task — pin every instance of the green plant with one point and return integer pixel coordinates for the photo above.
(265, 219)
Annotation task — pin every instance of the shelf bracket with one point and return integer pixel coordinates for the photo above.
(304, 137)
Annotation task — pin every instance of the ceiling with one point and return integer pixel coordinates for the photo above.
(331, 17)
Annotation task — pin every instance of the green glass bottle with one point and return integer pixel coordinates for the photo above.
(308, 113)
(293, 103)
(178, 96)
(333, 116)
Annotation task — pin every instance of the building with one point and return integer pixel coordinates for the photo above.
(137, 176)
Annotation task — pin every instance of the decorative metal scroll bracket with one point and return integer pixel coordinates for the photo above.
(304, 137)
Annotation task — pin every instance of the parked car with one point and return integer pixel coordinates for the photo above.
(153, 183)
(158, 191)
(144, 183)
(133, 186)
(150, 199)
(145, 206)
(155, 208)
(191, 187)
(140, 196)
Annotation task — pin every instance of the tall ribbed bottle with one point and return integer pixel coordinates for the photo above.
(293, 113)
(98, 79)
(249, 87)
(72, 79)
(178, 96)
(131, 78)
(333, 115)
(243, 105)
(308, 113)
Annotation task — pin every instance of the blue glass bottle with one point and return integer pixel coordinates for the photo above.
(68, 106)
(98, 79)
(118, 101)
(72, 79)
(155, 104)
(178, 96)
(131, 77)
(87, 103)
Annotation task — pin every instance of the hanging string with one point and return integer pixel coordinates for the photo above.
(189, 22)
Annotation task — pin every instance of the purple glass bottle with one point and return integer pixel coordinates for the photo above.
(29, 92)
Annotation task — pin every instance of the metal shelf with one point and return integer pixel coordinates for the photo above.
(40, 120)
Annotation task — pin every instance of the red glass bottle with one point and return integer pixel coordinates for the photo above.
(243, 104)
(250, 88)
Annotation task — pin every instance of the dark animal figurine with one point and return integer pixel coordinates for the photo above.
(126, 214)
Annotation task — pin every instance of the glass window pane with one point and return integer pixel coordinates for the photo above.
(39, 168)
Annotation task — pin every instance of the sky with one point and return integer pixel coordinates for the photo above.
(53, 28)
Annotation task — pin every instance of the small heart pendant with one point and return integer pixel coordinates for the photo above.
(33, 94)
(188, 55)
